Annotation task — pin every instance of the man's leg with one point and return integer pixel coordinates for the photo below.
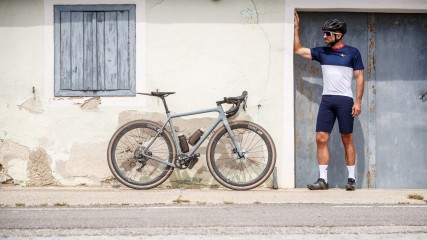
(323, 161)
(325, 123)
(350, 159)
(346, 122)
(322, 139)
(350, 153)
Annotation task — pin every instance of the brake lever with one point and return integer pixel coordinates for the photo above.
(244, 103)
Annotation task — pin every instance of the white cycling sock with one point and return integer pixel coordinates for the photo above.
(323, 172)
(351, 170)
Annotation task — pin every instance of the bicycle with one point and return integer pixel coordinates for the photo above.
(240, 155)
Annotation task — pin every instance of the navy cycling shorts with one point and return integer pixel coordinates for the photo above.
(335, 107)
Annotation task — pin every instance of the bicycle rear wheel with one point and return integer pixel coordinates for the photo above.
(126, 162)
(241, 173)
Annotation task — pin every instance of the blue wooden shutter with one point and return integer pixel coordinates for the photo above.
(94, 50)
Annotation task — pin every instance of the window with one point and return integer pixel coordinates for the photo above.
(94, 50)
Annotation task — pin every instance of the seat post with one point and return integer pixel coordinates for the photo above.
(164, 103)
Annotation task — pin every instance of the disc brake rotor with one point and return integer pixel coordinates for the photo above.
(240, 159)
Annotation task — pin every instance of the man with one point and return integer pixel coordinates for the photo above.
(339, 64)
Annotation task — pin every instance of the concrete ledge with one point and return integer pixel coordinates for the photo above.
(87, 196)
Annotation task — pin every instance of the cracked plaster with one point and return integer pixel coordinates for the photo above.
(33, 104)
(91, 103)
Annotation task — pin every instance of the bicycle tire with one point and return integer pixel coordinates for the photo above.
(122, 150)
(259, 161)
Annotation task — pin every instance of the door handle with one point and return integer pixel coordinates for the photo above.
(424, 97)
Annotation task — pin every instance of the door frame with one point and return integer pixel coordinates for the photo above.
(287, 165)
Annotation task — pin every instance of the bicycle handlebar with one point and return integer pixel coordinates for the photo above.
(236, 101)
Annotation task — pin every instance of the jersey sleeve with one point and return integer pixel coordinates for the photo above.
(315, 54)
(357, 60)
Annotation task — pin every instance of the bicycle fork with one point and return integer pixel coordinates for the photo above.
(239, 151)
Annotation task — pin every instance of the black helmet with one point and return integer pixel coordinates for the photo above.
(335, 25)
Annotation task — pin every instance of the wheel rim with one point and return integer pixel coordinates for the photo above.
(246, 170)
(133, 168)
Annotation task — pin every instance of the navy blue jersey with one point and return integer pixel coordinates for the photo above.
(338, 66)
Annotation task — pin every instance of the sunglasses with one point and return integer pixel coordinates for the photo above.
(328, 34)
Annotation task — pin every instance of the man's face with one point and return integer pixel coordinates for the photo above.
(331, 37)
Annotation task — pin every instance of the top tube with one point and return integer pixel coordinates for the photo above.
(217, 109)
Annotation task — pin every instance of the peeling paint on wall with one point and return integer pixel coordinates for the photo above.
(91, 103)
(33, 105)
(39, 170)
(13, 160)
(4, 177)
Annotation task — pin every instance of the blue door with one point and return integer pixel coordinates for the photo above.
(391, 134)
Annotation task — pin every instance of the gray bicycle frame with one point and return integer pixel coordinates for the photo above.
(221, 118)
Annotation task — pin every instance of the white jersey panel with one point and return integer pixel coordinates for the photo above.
(337, 80)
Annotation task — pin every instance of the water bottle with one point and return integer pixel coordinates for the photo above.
(196, 136)
(183, 143)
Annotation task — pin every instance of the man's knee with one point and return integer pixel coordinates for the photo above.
(322, 137)
(347, 138)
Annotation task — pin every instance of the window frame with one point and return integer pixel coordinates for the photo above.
(58, 92)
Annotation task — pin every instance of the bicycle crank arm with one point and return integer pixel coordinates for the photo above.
(159, 160)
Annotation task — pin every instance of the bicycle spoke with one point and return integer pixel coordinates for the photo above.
(246, 170)
(143, 170)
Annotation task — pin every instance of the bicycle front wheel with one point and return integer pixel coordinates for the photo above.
(125, 154)
(249, 171)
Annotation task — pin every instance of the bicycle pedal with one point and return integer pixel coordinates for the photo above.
(193, 162)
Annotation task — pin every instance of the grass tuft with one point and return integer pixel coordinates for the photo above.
(415, 196)
(58, 204)
(179, 201)
(228, 202)
(20, 204)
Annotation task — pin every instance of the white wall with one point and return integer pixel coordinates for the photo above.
(203, 50)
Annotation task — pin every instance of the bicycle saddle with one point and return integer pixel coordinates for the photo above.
(157, 94)
(161, 94)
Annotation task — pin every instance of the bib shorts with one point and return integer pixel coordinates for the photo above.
(334, 107)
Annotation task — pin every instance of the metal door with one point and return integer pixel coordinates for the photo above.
(391, 133)
(308, 93)
(401, 115)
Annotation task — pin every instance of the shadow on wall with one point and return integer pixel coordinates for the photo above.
(22, 13)
(307, 170)
(337, 170)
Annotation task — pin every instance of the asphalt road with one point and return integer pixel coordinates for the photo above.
(269, 220)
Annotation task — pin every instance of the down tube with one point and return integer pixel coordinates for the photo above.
(205, 135)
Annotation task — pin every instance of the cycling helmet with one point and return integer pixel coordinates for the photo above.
(335, 25)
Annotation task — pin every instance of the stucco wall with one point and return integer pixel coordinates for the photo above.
(203, 50)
